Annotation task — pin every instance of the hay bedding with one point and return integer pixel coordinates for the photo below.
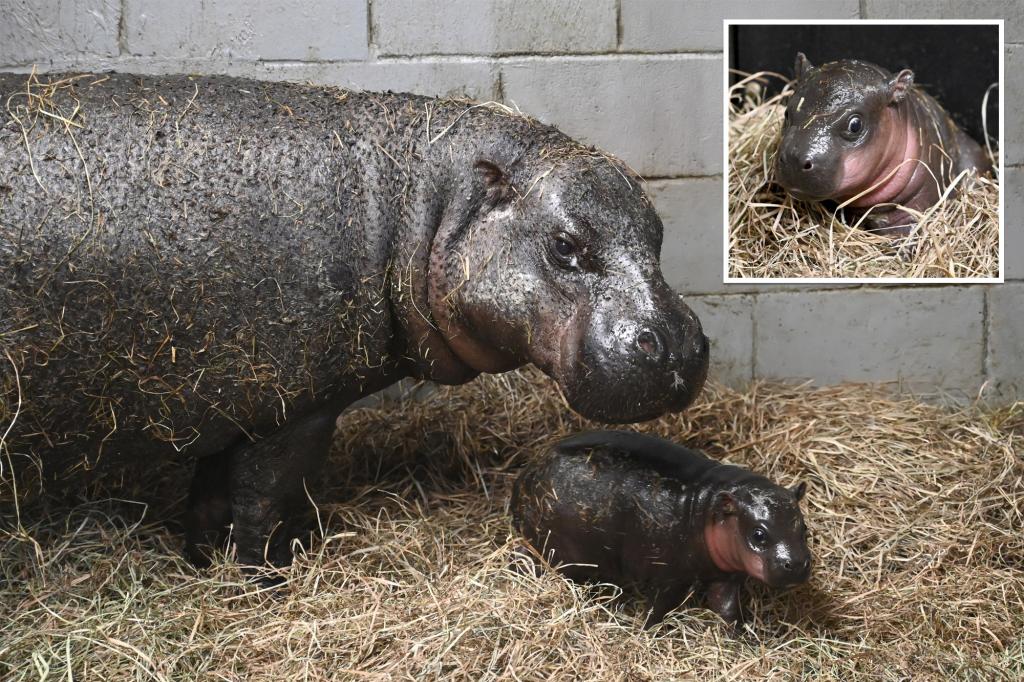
(773, 235)
(915, 513)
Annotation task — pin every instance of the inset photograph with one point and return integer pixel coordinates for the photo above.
(863, 151)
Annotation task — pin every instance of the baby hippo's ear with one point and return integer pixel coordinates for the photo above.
(725, 505)
(802, 65)
(496, 183)
(799, 490)
(900, 85)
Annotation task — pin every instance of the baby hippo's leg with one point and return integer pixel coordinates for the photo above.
(972, 155)
(662, 600)
(724, 599)
(893, 223)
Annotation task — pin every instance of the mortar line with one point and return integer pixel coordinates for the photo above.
(618, 25)
(755, 299)
(986, 320)
(122, 38)
(550, 55)
(369, 25)
(499, 86)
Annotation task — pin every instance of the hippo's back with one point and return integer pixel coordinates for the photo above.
(185, 260)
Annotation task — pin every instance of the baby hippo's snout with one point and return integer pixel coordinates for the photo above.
(792, 569)
(806, 170)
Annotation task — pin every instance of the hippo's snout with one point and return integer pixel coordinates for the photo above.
(790, 566)
(627, 367)
(797, 570)
(806, 170)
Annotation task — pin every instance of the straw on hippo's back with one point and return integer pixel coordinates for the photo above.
(855, 132)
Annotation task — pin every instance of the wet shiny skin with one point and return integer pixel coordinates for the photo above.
(905, 151)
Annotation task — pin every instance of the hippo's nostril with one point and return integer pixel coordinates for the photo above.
(650, 343)
(808, 165)
(788, 565)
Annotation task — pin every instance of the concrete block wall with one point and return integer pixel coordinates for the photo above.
(640, 78)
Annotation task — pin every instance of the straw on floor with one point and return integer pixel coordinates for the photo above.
(772, 235)
(915, 513)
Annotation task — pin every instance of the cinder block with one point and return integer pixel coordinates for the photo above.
(1006, 341)
(271, 29)
(661, 114)
(1013, 222)
(1012, 11)
(43, 31)
(696, 25)
(927, 337)
(729, 322)
(485, 27)
(691, 254)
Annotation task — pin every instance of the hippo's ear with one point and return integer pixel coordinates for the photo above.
(725, 505)
(802, 65)
(799, 490)
(900, 85)
(496, 182)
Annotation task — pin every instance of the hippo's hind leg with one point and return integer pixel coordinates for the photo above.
(208, 515)
(662, 600)
(268, 483)
(972, 155)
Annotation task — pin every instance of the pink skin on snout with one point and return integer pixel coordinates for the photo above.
(892, 145)
(728, 550)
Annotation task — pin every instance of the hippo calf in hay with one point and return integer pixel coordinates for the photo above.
(647, 514)
(855, 132)
(215, 268)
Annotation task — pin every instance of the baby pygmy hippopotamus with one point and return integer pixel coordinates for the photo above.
(647, 514)
(853, 127)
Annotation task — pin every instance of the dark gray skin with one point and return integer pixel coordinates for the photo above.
(851, 125)
(216, 267)
(649, 515)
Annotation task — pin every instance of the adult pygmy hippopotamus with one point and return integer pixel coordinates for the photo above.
(219, 266)
(645, 513)
(852, 129)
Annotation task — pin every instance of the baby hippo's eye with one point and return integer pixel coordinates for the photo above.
(759, 538)
(855, 125)
(564, 247)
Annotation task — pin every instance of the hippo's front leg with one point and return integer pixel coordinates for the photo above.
(724, 599)
(895, 224)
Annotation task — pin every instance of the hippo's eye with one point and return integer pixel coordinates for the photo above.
(759, 538)
(855, 125)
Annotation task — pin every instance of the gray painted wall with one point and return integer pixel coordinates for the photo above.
(640, 78)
